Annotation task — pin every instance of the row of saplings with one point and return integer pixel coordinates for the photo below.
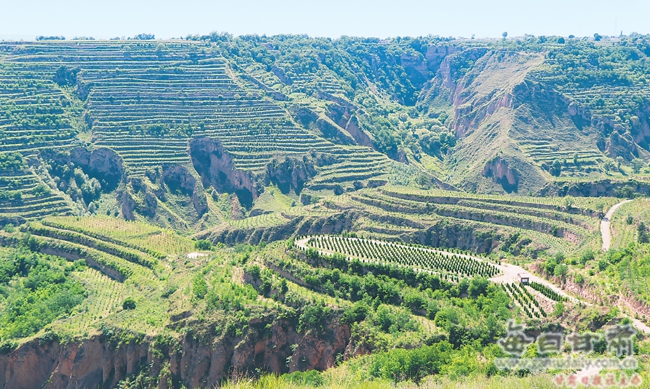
(525, 299)
(390, 284)
(405, 255)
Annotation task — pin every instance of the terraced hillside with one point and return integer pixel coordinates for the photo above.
(23, 194)
(146, 100)
(37, 113)
(138, 289)
(349, 213)
(234, 115)
(438, 218)
(420, 258)
(523, 111)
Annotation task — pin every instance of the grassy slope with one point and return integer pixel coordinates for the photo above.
(624, 233)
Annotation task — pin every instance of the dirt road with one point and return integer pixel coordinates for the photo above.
(605, 229)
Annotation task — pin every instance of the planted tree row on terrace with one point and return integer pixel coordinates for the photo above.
(505, 218)
(22, 195)
(404, 255)
(586, 206)
(526, 301)
(103, 237)
(112, 266)
(79, 238)
(548, 292)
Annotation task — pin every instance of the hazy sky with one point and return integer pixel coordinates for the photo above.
(333, 18)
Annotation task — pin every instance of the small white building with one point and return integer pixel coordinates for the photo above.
(524, 278)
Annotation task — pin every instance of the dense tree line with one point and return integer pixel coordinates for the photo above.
(35, 289)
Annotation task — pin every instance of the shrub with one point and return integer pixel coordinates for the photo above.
(580, 278)
(314, 317)
(203, 245)
(356, 313)
(559, 309)
(401, 365)
(254, 271)
(8, 346)
(310, 378)
(129, 303)
(642, 233)
(41, 190)
(586, 256)
(199, 286)
(478, 287)
(560, 270)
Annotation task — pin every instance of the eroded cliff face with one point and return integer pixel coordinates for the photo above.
(640, 127)
(290, 174)
(502, 174)
(197, 360)
(483, 90)
(217, 169)
(102, 163)
(621, 145)
(488, 87)
(341, 114)
(322, 124)
(178, 179)
(137, 197)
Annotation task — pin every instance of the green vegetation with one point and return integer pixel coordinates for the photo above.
(414, 323)
(348, 106)
(408, 256)
(35, 290)
(546, 291)
(129, 303)
(286, 211)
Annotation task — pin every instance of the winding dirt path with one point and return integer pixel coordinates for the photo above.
(638, 324)
(605, 229)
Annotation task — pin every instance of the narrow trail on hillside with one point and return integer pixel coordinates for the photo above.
(605, 230)
(638, 324)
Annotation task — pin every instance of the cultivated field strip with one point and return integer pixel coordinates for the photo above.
(105, 295)
(137, 235)
(403, 255)
(589, 206)
(110, 248)
(24, 197)
(110, 265)
(34, 112)
(524, 299)
(510, 218)
(266, 220)
(102, 237)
